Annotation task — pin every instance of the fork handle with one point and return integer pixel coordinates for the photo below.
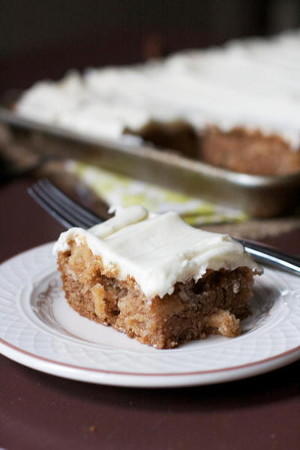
(268, 255)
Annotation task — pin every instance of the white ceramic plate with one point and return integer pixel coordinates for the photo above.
(38, 329)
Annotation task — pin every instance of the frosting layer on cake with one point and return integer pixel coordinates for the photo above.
(157, 251)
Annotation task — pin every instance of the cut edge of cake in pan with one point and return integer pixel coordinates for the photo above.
(155, 278)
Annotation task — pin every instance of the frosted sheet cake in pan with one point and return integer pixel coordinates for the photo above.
(235, 106)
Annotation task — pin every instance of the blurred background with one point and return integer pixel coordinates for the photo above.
(43, 39)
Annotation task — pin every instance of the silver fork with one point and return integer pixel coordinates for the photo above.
(71, 214)
(67, 212)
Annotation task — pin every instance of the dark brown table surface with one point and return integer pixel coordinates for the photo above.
(39, 411)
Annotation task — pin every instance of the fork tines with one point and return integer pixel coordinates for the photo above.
(61, 207)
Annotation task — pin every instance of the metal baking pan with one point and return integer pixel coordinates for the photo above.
(259, 196)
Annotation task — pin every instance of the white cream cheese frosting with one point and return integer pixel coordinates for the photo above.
(157, 250)
(252, 83)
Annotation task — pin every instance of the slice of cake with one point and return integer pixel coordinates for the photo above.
(155, 278)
